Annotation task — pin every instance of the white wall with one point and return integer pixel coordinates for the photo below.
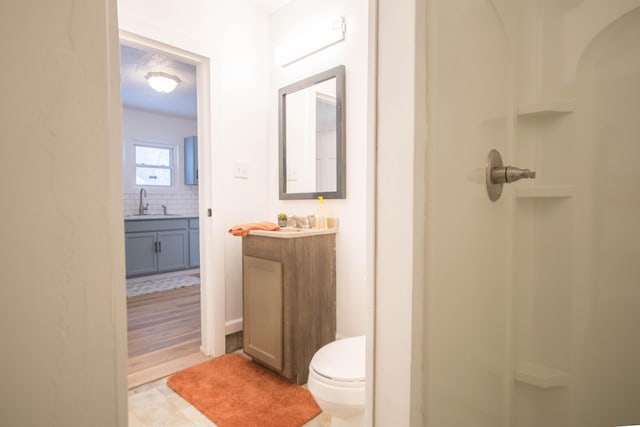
(143, 126)
(288, 24)
(62, 296)
(233, 35)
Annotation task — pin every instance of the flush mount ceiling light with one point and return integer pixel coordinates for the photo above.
(162, 82)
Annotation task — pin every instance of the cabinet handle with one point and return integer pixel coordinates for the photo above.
(159, 246)
(155, 247)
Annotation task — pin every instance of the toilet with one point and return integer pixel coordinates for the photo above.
(336, 381)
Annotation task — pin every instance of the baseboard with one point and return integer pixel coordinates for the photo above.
(230, 327)
(233, 326)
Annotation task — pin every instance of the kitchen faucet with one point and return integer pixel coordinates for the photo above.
(142, 208)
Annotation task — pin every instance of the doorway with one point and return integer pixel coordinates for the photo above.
(164, 285)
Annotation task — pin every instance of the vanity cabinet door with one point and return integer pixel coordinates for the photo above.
(140, 253)
(263, 311)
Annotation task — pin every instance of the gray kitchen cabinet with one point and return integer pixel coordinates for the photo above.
(141, 255)
(194, 243)
(156, 246)
(289, 300)
(191, 160)
(173, 250)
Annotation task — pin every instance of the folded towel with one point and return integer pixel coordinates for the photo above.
(243, 229)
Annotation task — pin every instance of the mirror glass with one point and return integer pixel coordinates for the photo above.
(311, 137)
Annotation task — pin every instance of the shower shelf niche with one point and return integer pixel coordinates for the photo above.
(546, 108)
(545, 191)
(541, 376)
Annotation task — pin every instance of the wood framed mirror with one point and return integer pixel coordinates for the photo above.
(311, 137)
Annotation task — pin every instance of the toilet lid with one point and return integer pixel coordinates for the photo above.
(342, 360)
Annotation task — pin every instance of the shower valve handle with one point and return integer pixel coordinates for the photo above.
(508, 174)
(497, 174)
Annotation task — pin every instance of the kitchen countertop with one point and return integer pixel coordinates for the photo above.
(159, 216)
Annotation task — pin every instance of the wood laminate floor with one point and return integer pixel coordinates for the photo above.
(164, 333)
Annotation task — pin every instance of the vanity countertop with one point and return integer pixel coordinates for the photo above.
(292, 233)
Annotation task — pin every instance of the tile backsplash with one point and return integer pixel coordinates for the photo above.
(183, 203)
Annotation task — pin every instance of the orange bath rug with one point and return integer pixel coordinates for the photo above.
(232, 391)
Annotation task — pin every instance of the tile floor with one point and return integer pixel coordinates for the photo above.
(155, 404)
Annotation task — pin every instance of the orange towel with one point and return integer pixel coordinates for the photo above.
(243, 229)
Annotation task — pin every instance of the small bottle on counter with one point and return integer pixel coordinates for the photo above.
(321, 216)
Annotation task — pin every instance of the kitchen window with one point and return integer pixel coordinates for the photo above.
(154, 165)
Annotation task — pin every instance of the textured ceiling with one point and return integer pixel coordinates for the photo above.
(136, 92)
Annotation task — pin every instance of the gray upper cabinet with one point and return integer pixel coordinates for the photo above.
(191, 160)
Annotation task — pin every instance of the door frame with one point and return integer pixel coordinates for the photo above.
(212, 287)
(400, 191)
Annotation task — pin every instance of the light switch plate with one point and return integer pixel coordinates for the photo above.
(241, 170)
(292, 174)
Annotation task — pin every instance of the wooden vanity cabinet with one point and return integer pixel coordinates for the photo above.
(289, 300)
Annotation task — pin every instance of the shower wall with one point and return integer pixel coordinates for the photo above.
(606, 350)
(575, 278)
(531, 302)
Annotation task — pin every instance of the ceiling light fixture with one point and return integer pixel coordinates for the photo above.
(162, 82)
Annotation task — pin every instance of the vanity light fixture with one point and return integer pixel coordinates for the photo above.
(307, 44)
(162, 82)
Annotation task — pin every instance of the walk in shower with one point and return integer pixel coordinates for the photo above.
(532, 301)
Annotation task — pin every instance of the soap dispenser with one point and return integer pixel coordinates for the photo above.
(321, 216)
